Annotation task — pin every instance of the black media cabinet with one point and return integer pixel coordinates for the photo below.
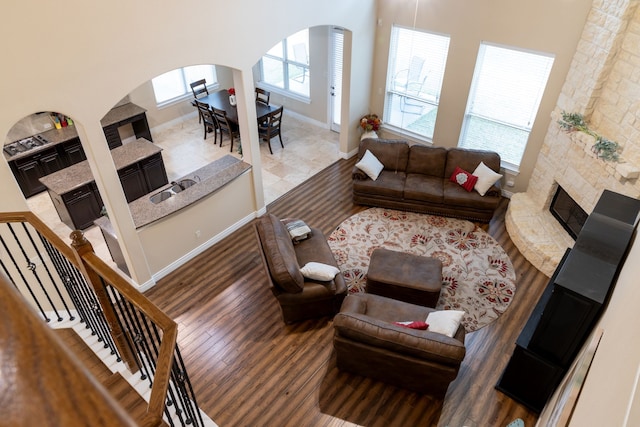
(571, 303)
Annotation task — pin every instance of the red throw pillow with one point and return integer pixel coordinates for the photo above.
(413, 325)
(463, 178)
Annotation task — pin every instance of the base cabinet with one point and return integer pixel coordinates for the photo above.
(29, 170)
(78, 208)
(133, 183)
(81, 206)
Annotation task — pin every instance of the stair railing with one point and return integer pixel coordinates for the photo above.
(54, 277)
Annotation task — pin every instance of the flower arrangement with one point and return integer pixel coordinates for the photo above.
(232, 91)
(370, 122)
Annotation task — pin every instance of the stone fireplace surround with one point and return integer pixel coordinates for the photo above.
(603, 83)
(565, 160)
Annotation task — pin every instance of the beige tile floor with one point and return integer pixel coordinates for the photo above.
(307, 150)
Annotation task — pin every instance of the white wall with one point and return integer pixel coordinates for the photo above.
(80, 59)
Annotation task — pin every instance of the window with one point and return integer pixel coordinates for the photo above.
(286, 65)
(503, 103)
(171, 86)
(414, 79)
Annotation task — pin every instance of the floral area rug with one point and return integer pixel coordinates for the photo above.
(477, 274)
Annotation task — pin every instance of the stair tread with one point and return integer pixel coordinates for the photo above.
(84, 354)
(118, 387)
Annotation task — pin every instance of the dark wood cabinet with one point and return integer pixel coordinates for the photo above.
(28, 173)
(29, 170)
(133, 182)
(113, 136)
(81, 205)
(154, 172)
(571, 303)
(139, 124)
(78, 208)
(73, 152)
(51, 161)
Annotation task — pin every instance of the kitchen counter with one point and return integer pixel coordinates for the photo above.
(121, 113)
(115, 116)
(209, 179)
(74, 176)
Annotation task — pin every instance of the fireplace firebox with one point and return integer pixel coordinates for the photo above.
(568, 213)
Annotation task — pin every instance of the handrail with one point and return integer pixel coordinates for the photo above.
(167, 325)
(104, 280)
(58, 390)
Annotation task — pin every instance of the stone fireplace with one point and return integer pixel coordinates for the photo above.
(603, 84)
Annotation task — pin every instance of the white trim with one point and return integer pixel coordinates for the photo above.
(306, 119)
(350, 154)
(173, 122)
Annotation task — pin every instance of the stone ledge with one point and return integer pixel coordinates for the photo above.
(536, 233)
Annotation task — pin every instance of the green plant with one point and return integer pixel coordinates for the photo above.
(604, 148)
(573, 122)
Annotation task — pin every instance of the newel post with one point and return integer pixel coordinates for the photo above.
(81, 246)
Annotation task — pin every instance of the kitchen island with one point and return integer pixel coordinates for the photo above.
(75, 195)
(207, 181)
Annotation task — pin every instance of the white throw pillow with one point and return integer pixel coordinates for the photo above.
(370, 165)
(319, 271)
(445, 322)
(486, 178)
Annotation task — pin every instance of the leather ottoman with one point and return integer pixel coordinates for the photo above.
(405, 277)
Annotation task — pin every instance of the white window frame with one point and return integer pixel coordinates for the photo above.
(283, 53)
(186, 75)
(415, 71)
(506, 91)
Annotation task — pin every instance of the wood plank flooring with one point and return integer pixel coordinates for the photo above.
(250, 369)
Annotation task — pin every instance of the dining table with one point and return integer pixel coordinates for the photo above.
(220, 100)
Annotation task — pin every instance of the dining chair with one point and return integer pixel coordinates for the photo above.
(209, 122)
(226, 126)
(263, 96)
(271, 127)
(199, 89)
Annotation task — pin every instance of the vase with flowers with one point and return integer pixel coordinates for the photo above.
(369, 125)
(232, 96)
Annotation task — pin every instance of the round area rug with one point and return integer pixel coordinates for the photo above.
(477, 274)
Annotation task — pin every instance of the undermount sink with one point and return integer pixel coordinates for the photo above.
(161, 196)
(186, 183)
(175, 188)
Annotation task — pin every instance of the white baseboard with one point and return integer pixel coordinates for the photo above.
(200, 249)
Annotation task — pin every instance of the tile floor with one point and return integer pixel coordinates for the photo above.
(308, 150)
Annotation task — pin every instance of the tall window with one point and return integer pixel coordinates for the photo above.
(174, 85)
(414, 79)
(286, 65)
(503, 103)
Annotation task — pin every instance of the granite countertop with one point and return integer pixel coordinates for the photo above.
(57, 136)
(209, 179)
(74, 176)
(121, 113)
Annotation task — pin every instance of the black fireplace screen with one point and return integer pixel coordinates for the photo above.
(570, 215)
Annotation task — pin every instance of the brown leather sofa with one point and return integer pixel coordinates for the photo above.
(367, 343)
(416, 178)
(299, 298)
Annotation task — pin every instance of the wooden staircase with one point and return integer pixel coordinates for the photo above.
(118, 387)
